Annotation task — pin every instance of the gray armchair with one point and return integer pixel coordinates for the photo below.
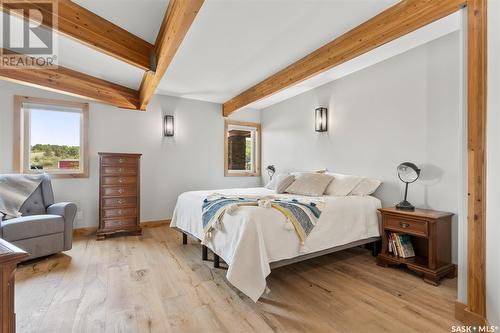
(45, 227)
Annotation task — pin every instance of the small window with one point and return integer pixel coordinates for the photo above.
(51, 137)
(241, 148)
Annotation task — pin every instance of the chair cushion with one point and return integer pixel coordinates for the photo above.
(32, 226)
(34, 205)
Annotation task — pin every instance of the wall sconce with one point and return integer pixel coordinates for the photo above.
(168, 125)
(321, 119)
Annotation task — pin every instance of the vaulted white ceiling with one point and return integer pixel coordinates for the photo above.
(234, 44)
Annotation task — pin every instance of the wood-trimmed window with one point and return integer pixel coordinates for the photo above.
(241, 149)
(51, 136)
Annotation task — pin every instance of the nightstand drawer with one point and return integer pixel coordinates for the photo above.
(413, 227)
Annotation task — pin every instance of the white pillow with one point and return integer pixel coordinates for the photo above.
(342, 185)
(310, 184)
(366, 187)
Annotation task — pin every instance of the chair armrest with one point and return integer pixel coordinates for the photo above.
(68, 211)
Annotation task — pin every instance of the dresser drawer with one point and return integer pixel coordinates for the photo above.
(119, 191)
(414, 227)
(118, 212)
(121, 180)
(120, 202)
(119, 223)
(119, 170)
(118, 160)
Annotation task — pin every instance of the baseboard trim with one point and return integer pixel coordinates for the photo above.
(155, 223)
(467, 317)
(89, 231)
(82, 232)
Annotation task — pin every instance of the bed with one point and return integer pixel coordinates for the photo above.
(253, 240)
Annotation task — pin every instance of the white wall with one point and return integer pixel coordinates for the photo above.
(493, 167)
(191, 160)
(406, 108)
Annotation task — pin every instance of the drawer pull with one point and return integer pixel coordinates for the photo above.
(120, 160)
(120, 169)
(404, 225)
(121, 201)
(120, 180)
(120, 191)
(119, 212)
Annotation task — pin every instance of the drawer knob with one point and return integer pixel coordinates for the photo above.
(121, 201)
(120, 180)
(120, 160)
(119, 212)
(120, 191)
(404, 225)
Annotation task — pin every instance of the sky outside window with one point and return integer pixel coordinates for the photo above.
(55, 127)
(54, 140)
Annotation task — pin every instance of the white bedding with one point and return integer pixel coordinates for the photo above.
(255, 236)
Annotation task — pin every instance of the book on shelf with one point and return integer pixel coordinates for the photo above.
(400, 245)
(406, 246)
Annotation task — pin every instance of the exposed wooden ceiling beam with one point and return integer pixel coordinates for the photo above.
(400, 19)
(94, 31)
(176, 23)
(70, 82)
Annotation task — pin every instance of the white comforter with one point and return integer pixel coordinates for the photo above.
(255, 236)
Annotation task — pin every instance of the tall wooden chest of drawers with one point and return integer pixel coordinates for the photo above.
(119, 194)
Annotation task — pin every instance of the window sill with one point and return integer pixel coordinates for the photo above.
(242, 174)
(63, 175)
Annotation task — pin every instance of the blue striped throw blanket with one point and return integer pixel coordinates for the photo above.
(301, 213)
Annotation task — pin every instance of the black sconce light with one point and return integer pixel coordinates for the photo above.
(321, 119)
(408, 173)
(168, 125)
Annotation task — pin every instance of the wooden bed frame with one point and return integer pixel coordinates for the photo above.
(374, 242)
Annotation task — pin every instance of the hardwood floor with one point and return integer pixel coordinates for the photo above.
(152, 283)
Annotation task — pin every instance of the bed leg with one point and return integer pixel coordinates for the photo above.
(216, 261)
(204, 252)
(376, 248)
(184, 238)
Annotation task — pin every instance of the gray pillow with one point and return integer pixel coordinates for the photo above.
(284, 182)
(274, 182)
(310, 184)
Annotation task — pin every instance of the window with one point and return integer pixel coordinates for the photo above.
(241, 148)
(51, 136)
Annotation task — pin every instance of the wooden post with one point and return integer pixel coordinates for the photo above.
(476, 168)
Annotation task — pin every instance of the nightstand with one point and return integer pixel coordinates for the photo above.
(430, 234)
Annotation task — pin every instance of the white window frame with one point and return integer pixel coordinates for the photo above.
(22, 147)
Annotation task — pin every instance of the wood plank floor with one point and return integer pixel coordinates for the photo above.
(154, 284)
